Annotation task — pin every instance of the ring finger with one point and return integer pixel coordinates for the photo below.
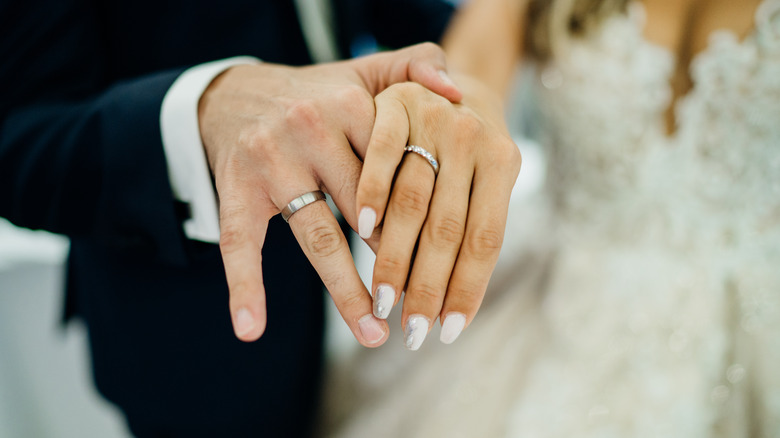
(403, 220)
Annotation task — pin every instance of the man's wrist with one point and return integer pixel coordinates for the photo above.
(188, 169)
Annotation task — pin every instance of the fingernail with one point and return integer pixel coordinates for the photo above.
(446, 78)
(366, 222)
(371, 329)
(384, 297)
(452, 326)
(244, 322)
(415, 331)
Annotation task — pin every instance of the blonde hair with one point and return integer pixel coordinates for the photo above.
(551, 23)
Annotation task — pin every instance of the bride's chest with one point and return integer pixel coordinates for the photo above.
(684, 26)
(604, 105)
(611, 91)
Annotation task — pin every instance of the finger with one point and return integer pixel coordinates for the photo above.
(406, 213)
(341, 178)
(479, 252)
(440, 241)
(423, 63)
(384, 154)
(243, 227)
(428, 67)
(320, 237)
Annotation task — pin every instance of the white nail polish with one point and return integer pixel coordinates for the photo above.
(384, 298)
(366, 222)
(452, 326)
(244, 322)
(415, 331)
(371, 329)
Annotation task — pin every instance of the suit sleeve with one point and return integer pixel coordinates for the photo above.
(391, 24)
(80, 148)
(400, 23)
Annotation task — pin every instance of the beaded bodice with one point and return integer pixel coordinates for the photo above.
(614, 172)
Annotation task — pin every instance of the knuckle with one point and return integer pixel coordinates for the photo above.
(470, 126)
(322, 240)
(515, 157)
(504, 158)
(352, 94)
(372, 191)
(432, 114)
(430, 49)
(405, 90)
(484, 243)
(231, 238)
(410, 201)
(507, 151)
(231, 235)
(383, 139)
(447, 232)
(336, 282)
(467, 295)
(356, 100)
(438, 111)
(303, 112)
(350, 302)
(390, 267)
(258, 143)
(427, 294)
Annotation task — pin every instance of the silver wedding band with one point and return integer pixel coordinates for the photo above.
(425, 154)
(300, 202)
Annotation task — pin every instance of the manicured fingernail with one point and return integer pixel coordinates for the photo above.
(245, 323)
(452, 326)
(384, 297)
(366, 222)
(446, 78)
(371, 329)
(415, 331)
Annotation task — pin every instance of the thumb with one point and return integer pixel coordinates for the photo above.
(423, 63)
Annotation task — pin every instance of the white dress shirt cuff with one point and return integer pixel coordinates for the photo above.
(188, 168)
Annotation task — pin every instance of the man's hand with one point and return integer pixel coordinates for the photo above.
(273, 133)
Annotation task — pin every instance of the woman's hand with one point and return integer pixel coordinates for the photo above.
(454, 220)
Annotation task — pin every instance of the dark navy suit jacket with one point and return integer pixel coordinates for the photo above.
(81, 84)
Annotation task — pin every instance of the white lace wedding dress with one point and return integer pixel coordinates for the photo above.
(649, 303)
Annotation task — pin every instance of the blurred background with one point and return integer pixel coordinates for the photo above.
(45, 379)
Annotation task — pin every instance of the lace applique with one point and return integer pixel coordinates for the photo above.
(614, 171)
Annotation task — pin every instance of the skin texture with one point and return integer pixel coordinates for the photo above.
(272, 133)
(456, 220)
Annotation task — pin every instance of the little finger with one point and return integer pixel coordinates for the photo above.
(440, 240)
(481, 246)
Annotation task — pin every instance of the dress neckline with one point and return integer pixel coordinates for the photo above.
(762, 17)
